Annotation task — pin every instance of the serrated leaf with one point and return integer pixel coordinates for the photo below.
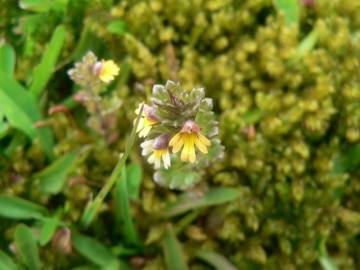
(174, 257)
(21, 111)
(290, 9)
(213, 197)
(215, 259)
(48, 230)
(134, 176)
(7, 59)
(92, 249)
(26, 247)
(17, 208)
(53, 178)
(6, 263)
(43, 71)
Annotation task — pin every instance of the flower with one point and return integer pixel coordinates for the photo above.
(106, 70)
(187, 138)
(146, 121)
(158, 150)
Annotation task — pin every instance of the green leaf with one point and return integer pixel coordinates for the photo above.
(45, 69)
(253, 116)
(26, 247)
(86, 267)
(116, 27)
(92, 249)
(173, 254)
(214, 196)
(290, 9)
(6, 263)
(43, 6)
(215, 259)
(347, 160)
(307, 44)
(134, 176)
(116, 265)
(22, 113)
(53, 177)
(123, 208)
(324, 259)
(48, 230)
(17, 208)
(327, 263)
(7, 59)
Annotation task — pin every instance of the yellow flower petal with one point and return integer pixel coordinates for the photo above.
(203, 139)
(108, 71)
(201, 146)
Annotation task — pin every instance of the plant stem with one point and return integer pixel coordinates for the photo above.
(94, 205)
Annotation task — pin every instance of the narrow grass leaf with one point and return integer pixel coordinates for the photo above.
(21, 111)
(134, 177)
(43, 6)
(45, 69)
(53, 178)
(307, 44)
(214, 196)
(327, 263)
(6, 263)
(17, 208)
(92, 249)
(215, 259)
(173, 253)
(124, 214)
(7, 59)
(290, 9)
(48, 230)
(26, 246)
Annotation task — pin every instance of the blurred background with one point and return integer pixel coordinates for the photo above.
(284, 77)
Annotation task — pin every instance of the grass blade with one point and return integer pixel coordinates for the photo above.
(45, 69)
(7, 59)
(17, 208)
(215, 259)
(174, 257)
(26, 246)
(53, 177)
(215, 196)
(6, 263)
(290, 9)
(92, 249)
(123, 206)
(134, 176)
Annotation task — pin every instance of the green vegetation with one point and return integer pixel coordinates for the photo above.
(75, 191)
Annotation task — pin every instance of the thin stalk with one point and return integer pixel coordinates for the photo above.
(93, 206)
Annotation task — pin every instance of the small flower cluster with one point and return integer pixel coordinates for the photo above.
(93, 75)
(178, 121)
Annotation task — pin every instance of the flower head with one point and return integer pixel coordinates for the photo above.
(189, 137)
(106, 70)
(158, 150)
(147, 120)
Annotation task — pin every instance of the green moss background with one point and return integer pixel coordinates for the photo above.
(285, 80)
